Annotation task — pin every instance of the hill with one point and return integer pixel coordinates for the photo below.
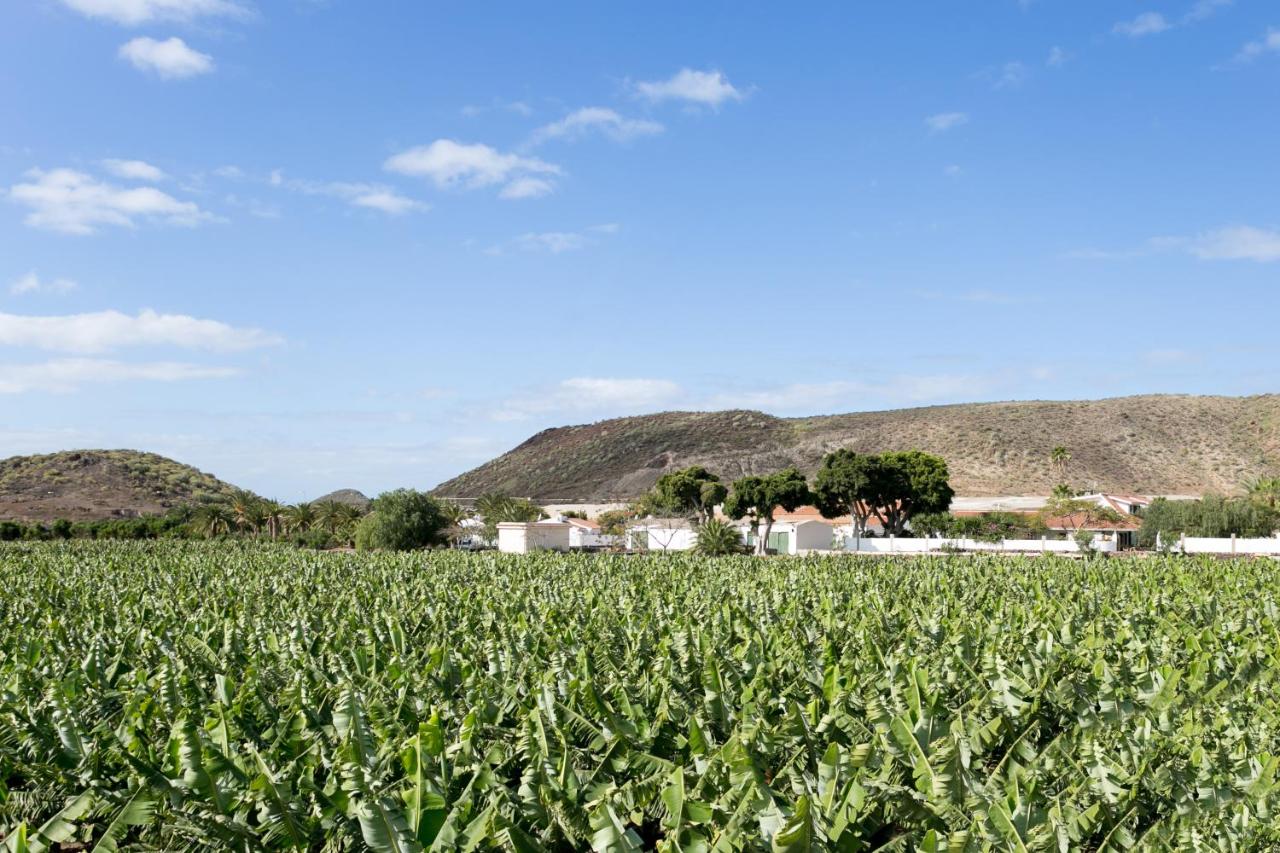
(86, 485)
(351, 497)
(1148, 444)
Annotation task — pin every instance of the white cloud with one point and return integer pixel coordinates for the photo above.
(1146, 24)
(517, 107)
(850, 395)
(134, 12)
(942, 122)
(134, 170)
(171, 58)
(527, 187)
(373, 196)
(592, 394)
(1204, 9)
(451, 164)
(31, 283)
(234, 173)
(1008, 76)
(1269, 43)
(592, 119)
(953, 171)
(710, 88)
(1238, 243)
(554, 242)
(104, 331)
(1230, 243)
(75, 203)
(66, 375)
(1057, 57)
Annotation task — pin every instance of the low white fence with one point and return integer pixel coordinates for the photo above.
(1234, 545)
(891, 545)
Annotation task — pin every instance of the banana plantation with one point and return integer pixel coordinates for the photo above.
(245, 696)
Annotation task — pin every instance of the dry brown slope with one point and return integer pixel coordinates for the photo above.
(1147, 444)
(85, 485)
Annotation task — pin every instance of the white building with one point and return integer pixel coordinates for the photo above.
(585, 534)
(661, 534)
(794, 536)
(523, 537)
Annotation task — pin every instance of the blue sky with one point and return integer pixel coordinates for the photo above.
(308, 245)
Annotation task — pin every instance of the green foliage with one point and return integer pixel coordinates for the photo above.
(402, 520)
(613, 522)
(689, 491)
(243, 695)
(718, 538)
(986, 527)
(1213, 516)
(758, 498)
(845, 484)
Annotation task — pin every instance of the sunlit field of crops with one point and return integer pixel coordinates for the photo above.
(169, 696)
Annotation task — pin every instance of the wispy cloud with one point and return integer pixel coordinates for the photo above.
(69, 374)
(32, 283)
(105, 331)
(1204, 9)
(134, 12)
(555, 242)
(1146, 24)
(372, 196)
(449, 164)
(134, 170)
(1238, 243)
(591, 395)
(588, 120)
(73, 202)
(518, 107)
(527, 187)
(1229, 243)
(171, 59)
(1057, 57)
(1268, 44)
(942, 122)
(707, 88)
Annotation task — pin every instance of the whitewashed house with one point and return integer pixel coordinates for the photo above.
(661, 534)
(523, 537)
(793, 537)
(585, 534)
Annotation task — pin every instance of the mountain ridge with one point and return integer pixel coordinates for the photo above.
(1151, 444)
(92, 485)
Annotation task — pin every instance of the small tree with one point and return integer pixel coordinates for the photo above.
(61, 529)
(1058, 458)
(402, 520)
(718, 538)
(692, 491)
(758, 498)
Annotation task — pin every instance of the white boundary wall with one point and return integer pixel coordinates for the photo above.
(891, 545)
(1234, 545)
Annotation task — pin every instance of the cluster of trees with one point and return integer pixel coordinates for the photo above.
(892, 487)
(987, 527)
(1256, 515)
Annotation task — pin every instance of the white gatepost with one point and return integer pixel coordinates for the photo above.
(1233, 544)
(890, 543)
(1044, 544)
(1182, 543)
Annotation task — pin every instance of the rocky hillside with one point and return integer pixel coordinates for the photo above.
(85, 485)
(1150, 444)
(351, 497)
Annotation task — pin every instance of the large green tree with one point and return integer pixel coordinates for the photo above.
(402, 520)
(758, 498)
(844, 485)
(689, 491)
(908, 483)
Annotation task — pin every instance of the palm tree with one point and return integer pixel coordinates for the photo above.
(214, 520)
(273, 514)
(454, 514)
(1059, 457)
(300, 517)
(1265, 491)
(246, 510)
(717, 538)
(328, 514)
